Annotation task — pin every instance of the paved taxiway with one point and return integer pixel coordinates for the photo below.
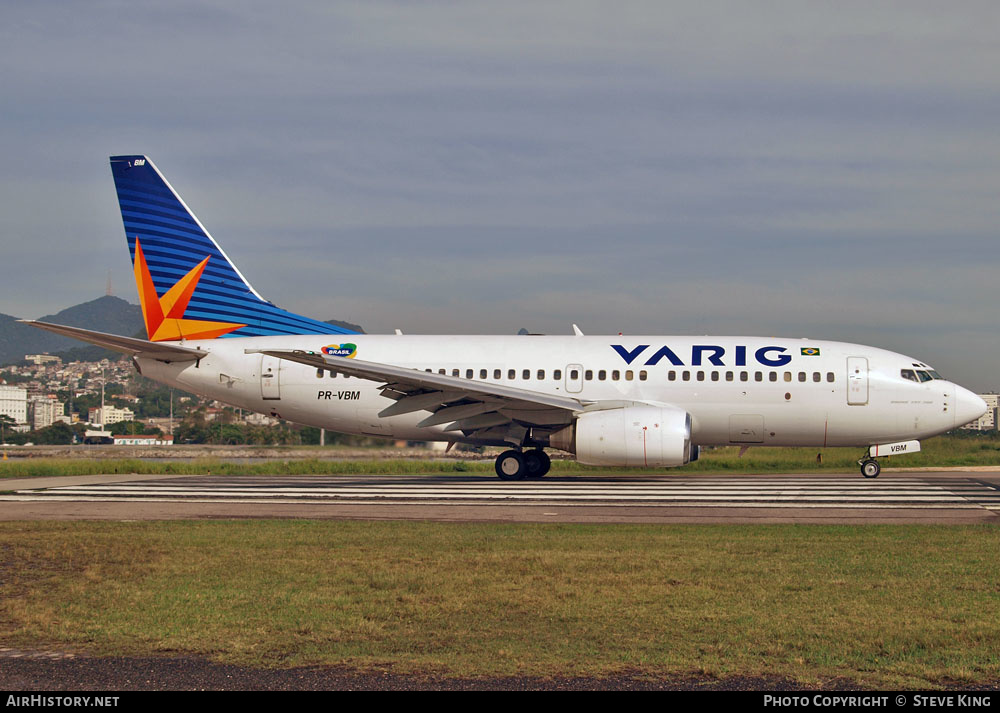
(924, 497)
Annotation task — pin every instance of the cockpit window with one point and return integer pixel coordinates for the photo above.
(924, 376)
(909, 375)
(935, 375)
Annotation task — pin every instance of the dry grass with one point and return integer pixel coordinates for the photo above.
(881, 605)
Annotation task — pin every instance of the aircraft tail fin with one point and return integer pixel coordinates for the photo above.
(188, 287)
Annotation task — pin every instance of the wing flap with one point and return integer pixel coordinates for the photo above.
(420, 402)
(454, 413)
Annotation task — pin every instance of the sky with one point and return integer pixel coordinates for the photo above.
(799, 169)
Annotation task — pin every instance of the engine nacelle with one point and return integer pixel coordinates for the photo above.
(650, 436)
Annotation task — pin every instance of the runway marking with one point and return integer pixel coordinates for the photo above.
(776, 491)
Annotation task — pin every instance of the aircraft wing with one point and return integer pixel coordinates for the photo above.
(477, 409)
(125, 345)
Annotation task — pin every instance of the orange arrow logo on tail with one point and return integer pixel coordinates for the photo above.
(165, 315)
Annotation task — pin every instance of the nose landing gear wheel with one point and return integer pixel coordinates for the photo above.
(870, 468)
(510, 466)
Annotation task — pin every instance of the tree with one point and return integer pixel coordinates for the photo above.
(58, 434)
(6, 423)
(134, 428)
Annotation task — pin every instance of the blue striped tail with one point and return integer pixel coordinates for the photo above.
(173, 242)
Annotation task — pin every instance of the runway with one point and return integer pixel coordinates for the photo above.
(927, 497)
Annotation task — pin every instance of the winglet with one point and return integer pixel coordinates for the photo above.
(576, 331)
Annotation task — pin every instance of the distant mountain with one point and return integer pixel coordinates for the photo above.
(105, 314)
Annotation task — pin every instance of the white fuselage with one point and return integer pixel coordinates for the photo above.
(738, 390)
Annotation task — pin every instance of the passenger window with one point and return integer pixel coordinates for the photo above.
(817, 377)
(758, 376)
(574, 374)
(715, 376)
(802, 376)
(441, 371)
(788, 376)
(772, 376)
(744, 376)
(671, 375)
(628, 375)
(700, 376)
(557, 374)
(482, 374)
(541, 374)
(686, 375)
(468, 373)
(642, 375)
(454, 372)
(616, 375)
(429, 371)
(729, 376)
(830, 377)
(511, 374)
(588, 375)
(319, 373)
(526, 374)
(602, 375)
(496, 374)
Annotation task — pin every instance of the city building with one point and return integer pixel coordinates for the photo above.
(39, 359)
(144, 440)
(109, 415)
(988, 421)
(43, 411)
(14, 403)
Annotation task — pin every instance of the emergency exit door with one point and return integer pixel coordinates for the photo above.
(270, 377)
(574, 378)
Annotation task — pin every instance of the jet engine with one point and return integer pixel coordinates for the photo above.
(653, 436)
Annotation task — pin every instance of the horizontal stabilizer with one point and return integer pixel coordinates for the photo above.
(125, 345)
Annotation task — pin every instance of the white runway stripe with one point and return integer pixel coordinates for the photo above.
(759, 504)
(555, 498)
(724, 491)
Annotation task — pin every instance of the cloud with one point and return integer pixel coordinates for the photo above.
(719, 166)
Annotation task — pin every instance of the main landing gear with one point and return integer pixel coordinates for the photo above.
(515, 465)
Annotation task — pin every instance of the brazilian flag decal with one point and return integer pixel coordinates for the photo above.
(810, 351)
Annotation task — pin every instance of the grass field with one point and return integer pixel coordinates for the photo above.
(885, 606)
(942, 451)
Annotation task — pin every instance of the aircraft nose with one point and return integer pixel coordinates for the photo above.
(968, 406)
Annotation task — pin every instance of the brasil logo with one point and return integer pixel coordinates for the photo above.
(341, 350)
(810, 351)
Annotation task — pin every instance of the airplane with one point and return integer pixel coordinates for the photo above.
(643, 401)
